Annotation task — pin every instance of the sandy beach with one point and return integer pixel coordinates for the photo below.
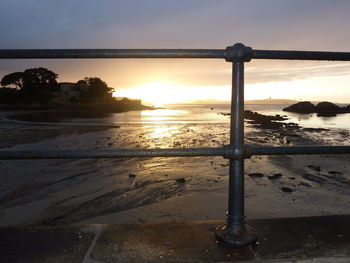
(164, 189)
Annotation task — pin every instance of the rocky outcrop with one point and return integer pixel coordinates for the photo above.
(327, 106)
(301, 107)
(324, 108)
(267, 121)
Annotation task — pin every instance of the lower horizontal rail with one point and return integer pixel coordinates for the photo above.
(118, 153)
(226, 152)
(297, 150)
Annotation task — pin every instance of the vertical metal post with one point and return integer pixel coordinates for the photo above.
(236, 232)
(235, 214)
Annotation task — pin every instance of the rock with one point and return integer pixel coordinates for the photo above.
(327, 114)
(326, 106)
(301, 107)
(266, 121)
(181, 180)
(315, 168)
(313, 178)
(274, 176)
(256, 175)
(335, 173)
(315, 129)
(287, 189)
(132, 175)
(304, 184)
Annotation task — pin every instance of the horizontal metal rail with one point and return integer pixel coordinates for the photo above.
(293, 150)
(118, 153)
(166, 53)
(111, 53)
(235, 231)
(301, 55)
(227, 152)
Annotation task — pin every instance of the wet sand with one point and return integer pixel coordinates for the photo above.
(148, 190)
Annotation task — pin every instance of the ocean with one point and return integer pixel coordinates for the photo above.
(132, 190)
(211, 113)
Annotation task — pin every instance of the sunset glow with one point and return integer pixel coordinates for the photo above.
(149, 131)
(314, 88)
(161, 93)
(152, 25)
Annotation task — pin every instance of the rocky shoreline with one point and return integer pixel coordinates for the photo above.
(266, 121)
(166, 189)
(114, 107)
(323, 109)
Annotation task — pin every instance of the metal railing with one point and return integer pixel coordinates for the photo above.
(235, 231)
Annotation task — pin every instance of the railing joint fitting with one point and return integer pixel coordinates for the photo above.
(238, 53)
(235, 152)
(247, 152)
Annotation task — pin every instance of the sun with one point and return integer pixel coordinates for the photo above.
(161, 93)
(155, 93)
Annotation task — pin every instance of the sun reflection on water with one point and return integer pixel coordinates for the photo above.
(161, 115)
(161, 132)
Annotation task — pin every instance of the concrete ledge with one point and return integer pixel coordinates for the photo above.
(304, 240)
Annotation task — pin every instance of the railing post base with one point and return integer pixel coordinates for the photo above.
(243, 237)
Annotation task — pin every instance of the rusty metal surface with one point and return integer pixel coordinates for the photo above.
(44, 244)
(303, 237)
(283, 238)
(169, 242)
(227, 152)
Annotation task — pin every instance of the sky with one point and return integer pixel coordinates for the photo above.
(269, 24)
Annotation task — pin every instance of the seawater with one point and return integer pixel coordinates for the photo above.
(211, 114)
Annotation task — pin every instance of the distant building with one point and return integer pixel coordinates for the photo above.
(69, 92)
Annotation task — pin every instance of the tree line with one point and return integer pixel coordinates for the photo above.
(39, 85)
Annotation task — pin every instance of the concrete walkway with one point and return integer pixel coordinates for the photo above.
(302, 240)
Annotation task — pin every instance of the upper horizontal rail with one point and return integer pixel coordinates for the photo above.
(111, 53)
(301, 55)
(166, 53)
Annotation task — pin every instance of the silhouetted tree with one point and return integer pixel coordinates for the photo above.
(16, 79)
(94, 90)
(10, 95)
(35, 84)
(36, 79)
